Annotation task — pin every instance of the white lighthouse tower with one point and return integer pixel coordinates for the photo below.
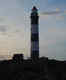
(34, 33)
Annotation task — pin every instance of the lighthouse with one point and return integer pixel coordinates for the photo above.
(34, 34)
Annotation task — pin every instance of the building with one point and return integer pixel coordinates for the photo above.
(18, 58)
(34, 33)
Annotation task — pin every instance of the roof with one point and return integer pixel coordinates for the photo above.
(34, 8)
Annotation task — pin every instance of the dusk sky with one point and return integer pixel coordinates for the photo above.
(15, 27)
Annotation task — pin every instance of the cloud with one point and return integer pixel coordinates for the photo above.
(51, 13)
(53, 43)
(2, 19)
(3, 28)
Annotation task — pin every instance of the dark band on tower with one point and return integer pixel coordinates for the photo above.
(34, 33)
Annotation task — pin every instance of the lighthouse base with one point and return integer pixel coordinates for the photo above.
(35, 55)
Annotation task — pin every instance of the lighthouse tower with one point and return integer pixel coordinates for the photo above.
(34, 34)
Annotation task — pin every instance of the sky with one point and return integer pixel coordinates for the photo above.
(15, 27)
